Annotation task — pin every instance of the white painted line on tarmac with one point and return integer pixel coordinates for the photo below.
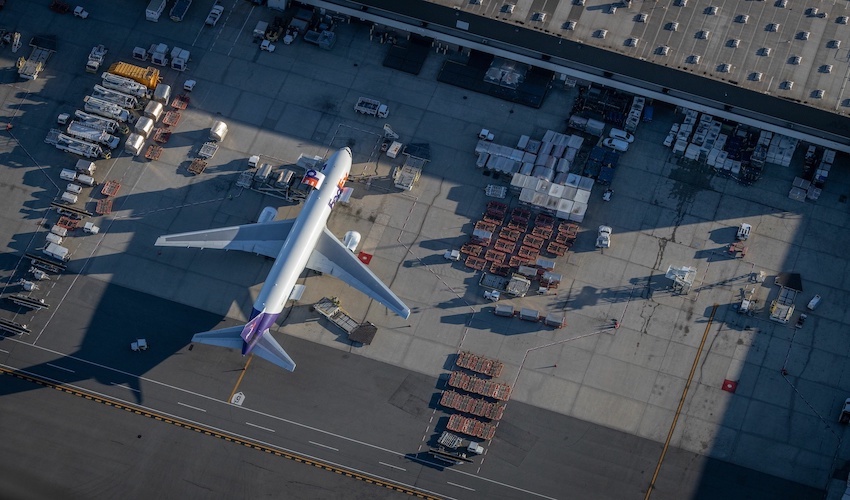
(4, 350)
(392, 466)
(460, 486)
(125, 387)
(260, 427)
(192, 407)
(324, 446)
(60, 368)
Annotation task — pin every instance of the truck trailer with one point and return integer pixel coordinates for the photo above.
(107, 109)
(81, 131)
(149, 77)
(125, 85)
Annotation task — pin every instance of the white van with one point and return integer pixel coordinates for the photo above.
(616, 144)
(69, 198)
(74, 188)
(616, 133)
(54, 238)
(813, 303)
(67, 175)
(59, 231)
(744, 231)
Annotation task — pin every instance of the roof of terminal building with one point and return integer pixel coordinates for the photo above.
(795, 49)
(741, 55)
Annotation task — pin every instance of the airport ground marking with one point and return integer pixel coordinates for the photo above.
(392, 466)
(60, 367)
(260, 427)
(323, 445)
(239, 380)
(12, 371)
(192, 407)
(248, 443)
(460, 486)
(697, 357)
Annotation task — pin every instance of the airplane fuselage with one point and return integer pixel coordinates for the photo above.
(296, 249)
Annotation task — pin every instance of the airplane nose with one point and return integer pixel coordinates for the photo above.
(347, 150)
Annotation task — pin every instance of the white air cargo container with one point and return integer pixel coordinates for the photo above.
(67, 175)
(86, 179)
(54, 238)
(59, 230)
(154, 111)
(69, 198)
(162, 93)
(74, 188)
(85, 167)
(57, 251)
(144, 127)
(218, 131)
(134, 144)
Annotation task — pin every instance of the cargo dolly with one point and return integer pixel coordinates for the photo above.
(197, 166)
(104, 206)
(153, 152)
(180, 102)
(171, 118)
(161, 135)
(208, 150)
(110, 188)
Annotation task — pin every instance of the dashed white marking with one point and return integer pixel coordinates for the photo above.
(324, 446)
(60, 368)
(124, 387)
(192, 407)
(4, 350)
(260, 427)
(392, 466)
(460, 486)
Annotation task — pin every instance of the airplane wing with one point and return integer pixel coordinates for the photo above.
(332, 257)
(265, 239)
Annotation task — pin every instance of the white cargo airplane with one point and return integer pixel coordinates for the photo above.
(303, 242)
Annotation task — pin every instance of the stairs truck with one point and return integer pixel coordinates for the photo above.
(107, 109)
(125, 85)
(81, 131)
(178, 12)
(42, 49)
(149, 77)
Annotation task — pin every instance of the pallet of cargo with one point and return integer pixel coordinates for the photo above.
(504, 245)
(208, 150)
(480, 364)
(161, 135)
(475, 263)
(471, 249)
(104, 206)
(544, 232)
(557, 249)
(110, 188)
(68, 223)
(483, 387)
(471, 427)
(153, 152)
(532, 241)
(528, 253)
(510, 234)
(495, 256)
(484, 225)
(197, 166)
(564, 238)
(180, 102)
(544, 220)
(516, 261)
(499, 269)
(171, 118)
(568, 228)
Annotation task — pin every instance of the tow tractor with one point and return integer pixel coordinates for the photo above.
(844, 418)
(606, 196)
(139, 345)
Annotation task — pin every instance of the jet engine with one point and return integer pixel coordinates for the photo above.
(351, 240)
(267, 215)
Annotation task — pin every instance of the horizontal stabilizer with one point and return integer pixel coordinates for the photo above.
(226, 337)
(268, 349)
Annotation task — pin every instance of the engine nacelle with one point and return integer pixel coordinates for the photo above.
(351, 240)
(267, 215)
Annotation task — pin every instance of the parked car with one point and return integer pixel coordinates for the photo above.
(616, 144)
(616, 133)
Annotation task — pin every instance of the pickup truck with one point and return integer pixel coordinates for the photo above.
(214, 15)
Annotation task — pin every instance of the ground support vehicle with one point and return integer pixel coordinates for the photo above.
(178, 12)
(124, 85)
(97, 122)
(330, 308)
(73, 145)
(208, 150)
(106, 109)
(844, 418)
(86, 133)
(149, 77)
(371, 107)
(126, 101)
(215, 14)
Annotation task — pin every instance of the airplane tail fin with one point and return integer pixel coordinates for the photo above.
(266, 347)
